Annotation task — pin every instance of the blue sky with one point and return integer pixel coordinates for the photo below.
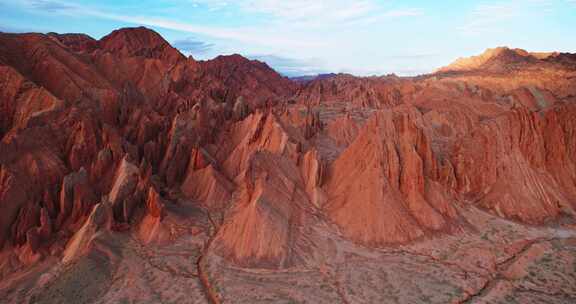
(300, 37)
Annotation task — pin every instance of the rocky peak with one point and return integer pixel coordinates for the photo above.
(75, 41)
(140, 42)
(491, 58)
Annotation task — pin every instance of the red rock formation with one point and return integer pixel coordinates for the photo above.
(240, 109)
(154, 204)
(123, 188)
(549, 71)
(131, 123)
(99, 221)
(313, 171)
(387, 178)
(181, 139)
(267, 224)
(257, 132)
(50, 64)
(27, 218)
(209, 186)
(343, 130)
(243, 77)
(527, 164)
(10, 191)
(112, 97)
(139, 42)
(81, 43)
(492, 60)
(374, 92)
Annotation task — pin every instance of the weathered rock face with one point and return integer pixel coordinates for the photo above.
(121, 195)
(551, 72)
(267, 224)
(527, 161)
(376, 92)
(388, 178)
(14, 193)
(126, 134)
(76, 199)
(22, 101)
(126, 116)
(314, 171)
(50, 64)
(209, 186)
(258, 132)
(494, 60)
(98, 222)
(154, 203)
(80, 43)
(248, 77)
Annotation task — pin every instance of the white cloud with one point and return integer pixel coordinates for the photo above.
(306, 11)
(291, 66)
(249, 35)
(193, 46)
(212, 5)
(494, 17)
(318, 13)
(296, 29)
(409, 12)
(488, 17)
(283, 32)
(297, 10)
(51, 6)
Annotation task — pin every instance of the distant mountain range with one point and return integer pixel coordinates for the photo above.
(308, 78)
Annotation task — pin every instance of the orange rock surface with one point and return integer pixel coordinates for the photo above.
(204, 177)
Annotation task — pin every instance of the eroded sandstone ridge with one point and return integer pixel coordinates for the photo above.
(123, 155)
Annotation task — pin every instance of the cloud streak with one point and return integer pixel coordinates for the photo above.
(325, 13)
(309, 11)
(50, 6)
(494, 17)
(487, 18)
(300, 11)
(279, 34)
(249, 35)
(193, 46)
(291, 66)
(288, 33)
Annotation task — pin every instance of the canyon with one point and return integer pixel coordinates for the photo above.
(130, 173)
